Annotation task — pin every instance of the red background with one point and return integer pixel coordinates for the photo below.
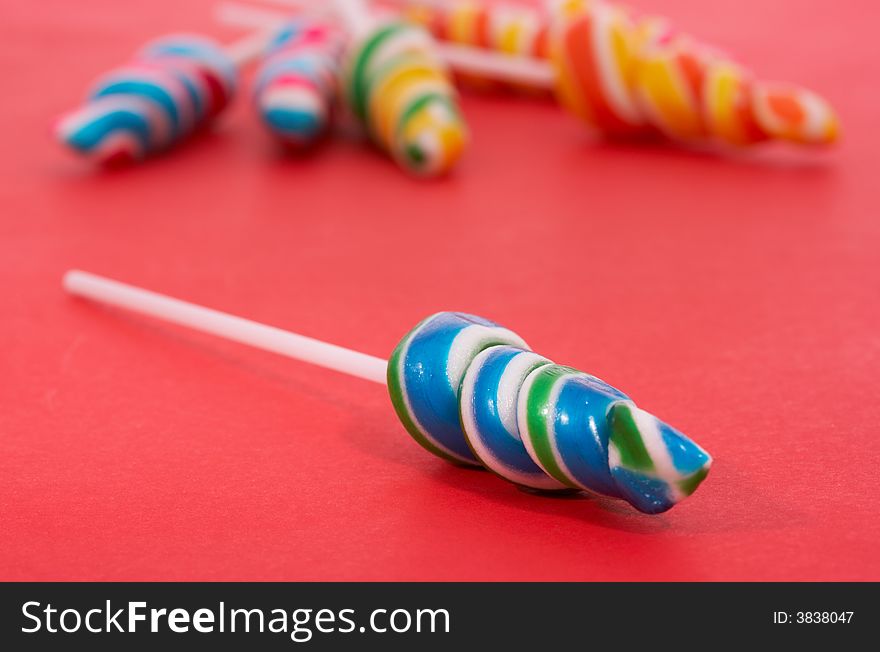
(736, 299)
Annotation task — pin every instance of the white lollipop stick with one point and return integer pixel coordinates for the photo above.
(230, 327)
(355, 15)
(476, 61)
(250, 47)
(250, 16)
(500, 67)
(309, 5)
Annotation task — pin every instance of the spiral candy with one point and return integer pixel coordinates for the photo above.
(173, 87)
(297, 86)
(400, 91)
(626, 74)
(472, 392)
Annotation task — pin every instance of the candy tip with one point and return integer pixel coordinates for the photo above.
(654, 465)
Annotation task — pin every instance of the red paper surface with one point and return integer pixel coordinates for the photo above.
(736, 299)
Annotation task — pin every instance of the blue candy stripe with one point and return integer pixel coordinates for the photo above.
(686, 456)
(417, 402)
(198, 49)
(89, 128)
(148, 89)
(580, 432)
(647, 494)
(432, 361)
(292, 122)
(488, 396)
(488, 369)
(645, 453)
(431, 395)
(183, 70)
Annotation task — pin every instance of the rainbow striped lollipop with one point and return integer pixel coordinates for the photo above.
(471, 392)
(298, 84)
(625, 74)
(173, 87)
(402, 94)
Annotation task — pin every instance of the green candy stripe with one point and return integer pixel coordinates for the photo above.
(627, 439)
(689, 485)
(395, 390)
(402, 60)
(358, 82)
(539, 412)
(413, 153)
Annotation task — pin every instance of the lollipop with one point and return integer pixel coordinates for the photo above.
(394, 84)
(173, 87)
(473, 393)
(626, 75)
(399, 89)
(402, 94)
(298, 83)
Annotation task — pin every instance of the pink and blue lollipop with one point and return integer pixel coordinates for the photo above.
(172, 88)
(298, 85)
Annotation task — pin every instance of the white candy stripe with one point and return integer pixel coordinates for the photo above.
(763, 114)
(473, 338)
(468, 411)
(398, 42)
(558, 386)
(506, 396)
(664, 468)
(412, 92)
(286, 96)
(508, 390)
(523, 421)
(430, 146)
(93, 110)
(614, 89)
(613, 455)
(158, 75)
(817, 116)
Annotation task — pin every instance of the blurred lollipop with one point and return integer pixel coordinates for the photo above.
(622, 73)
(393, 81)
(173, 87)
(298, 83)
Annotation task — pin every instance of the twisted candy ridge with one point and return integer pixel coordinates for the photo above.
(472, 392)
